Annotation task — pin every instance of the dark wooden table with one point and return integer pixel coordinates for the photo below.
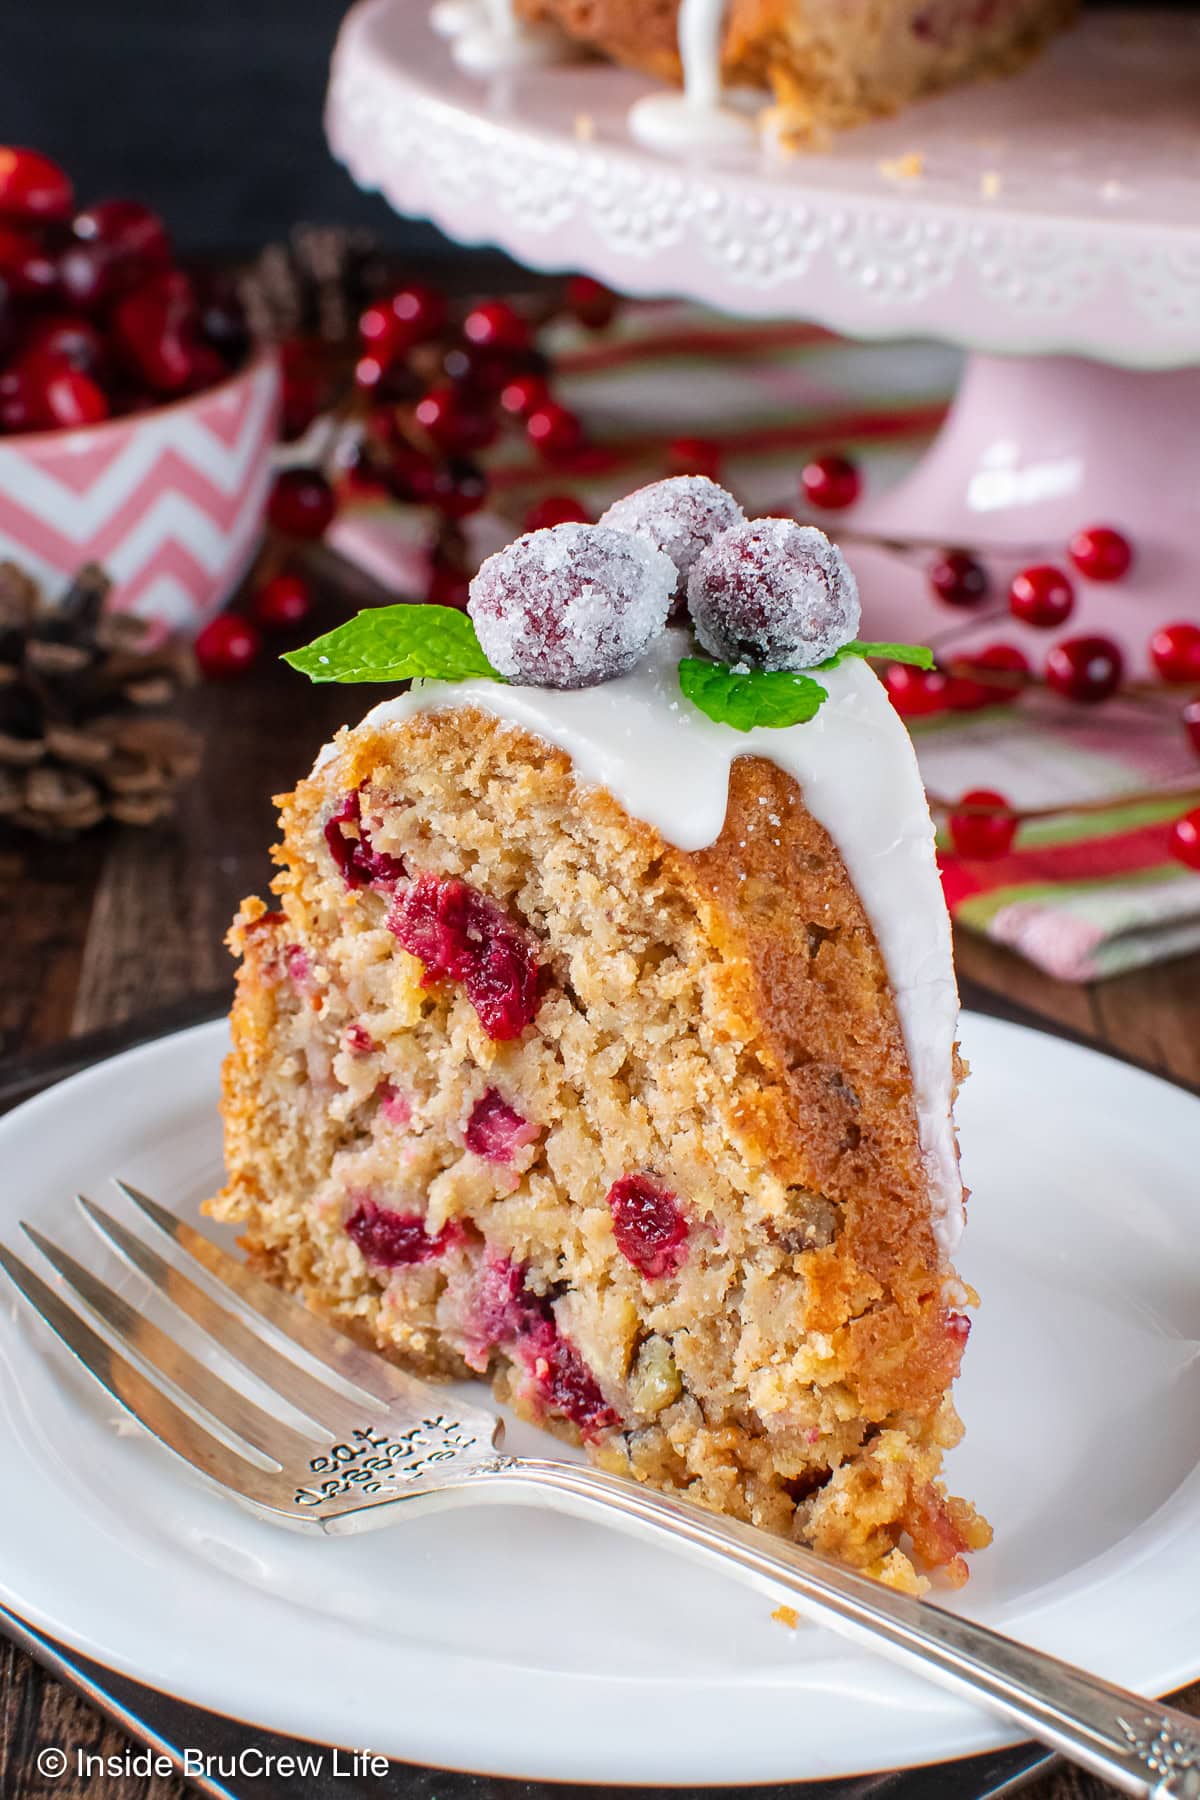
(103, 931)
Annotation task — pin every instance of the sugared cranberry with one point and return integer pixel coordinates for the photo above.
(454, 421)
(28, 270)
(1087, 669)
(694, 456)
(494, 325)
(66, 337)
(1175, 652)
(283, 601)
(228, 645)
(394, 1240)
(302, 503)
(63, 397)
(773, 593)
(591, 302)
(32, 187)
(1190, 717)
(554, 431)
(556, 509)
(917, 693)
(358, 862)
(830, 483)
(460, 935)
(648, 1225)
(572, 606)
(1100, 553)
(457, 487)
(1185, 839)
(987, 830)
(958, 578)
(524, 394)
(496, 1130)
(1042, 596)
(680, 516)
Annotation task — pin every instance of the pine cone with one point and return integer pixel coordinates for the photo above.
(75, 682)
(314, 285)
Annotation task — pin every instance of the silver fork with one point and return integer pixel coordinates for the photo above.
(375, 1445)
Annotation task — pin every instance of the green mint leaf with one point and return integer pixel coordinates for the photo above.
(746, 698)
(917, 654)
(396, 643)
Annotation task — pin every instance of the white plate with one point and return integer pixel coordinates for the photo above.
(520, 1643)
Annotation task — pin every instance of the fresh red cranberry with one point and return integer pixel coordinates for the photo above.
(524, 394)
(359, 863)
(224, 326)
(1100, 553)
(479, 372)
(1175, 652)
(694, 456)
(412, 474)
(454, 421)
(917, 693)
(555, 509)
(461, 935)
(830, 483)
(591, 302)
(283, 601)
(228, 645)
(958, 578)
(649, 1225)
(87, 276)
(28, 270)
(419, 311)
(1087, 669)
(379, 330)
(1042, 596)
(66, 337)
(359, 1041)
(1001, 669)
(127, 227)
(305, 386)
(395, 1240)
(554, 431)
(1190, 717)
(1185, 839)
(64, 398)
(155, 326)
(302, 503)
(32, 187)
(17, 409)
(457, 487)
(496, 1130)
(494, 325)
(448, 585)
(987, 830)
(369, 371)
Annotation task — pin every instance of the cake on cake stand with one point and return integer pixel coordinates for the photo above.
(1049, 224)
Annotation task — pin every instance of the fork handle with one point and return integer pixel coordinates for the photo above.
(1140, 1745)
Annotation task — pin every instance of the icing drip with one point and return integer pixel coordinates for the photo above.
(486, 37)
(696, 117)
(854, 762)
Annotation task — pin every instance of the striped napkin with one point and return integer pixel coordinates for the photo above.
(1083, 893)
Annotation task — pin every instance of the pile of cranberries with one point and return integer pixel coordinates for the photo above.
(96, 317)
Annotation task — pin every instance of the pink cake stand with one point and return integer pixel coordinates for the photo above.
(1050, 224)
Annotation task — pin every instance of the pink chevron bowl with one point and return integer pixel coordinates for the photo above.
(169, 502)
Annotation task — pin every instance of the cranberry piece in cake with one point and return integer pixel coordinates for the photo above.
(394, 1240)
(571, 606)
(680, 516)
(649, 1225)
(496, 1130)
(563, 1382)
(460, 935)
(349, 841)
(773, 593)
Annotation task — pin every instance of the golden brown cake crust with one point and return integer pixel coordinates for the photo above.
(723, 1018)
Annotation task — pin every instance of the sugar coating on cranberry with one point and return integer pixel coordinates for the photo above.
(571, 606)
(496, 1130)
(775, 594)
(394, 1240)
(680, 516)
(649, 1225)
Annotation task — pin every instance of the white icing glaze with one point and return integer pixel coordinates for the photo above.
(669, 765)
(696, 118)
(450, 17)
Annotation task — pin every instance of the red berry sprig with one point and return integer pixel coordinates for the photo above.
(830, 483)
(1175, 652)
(984, 825)
(1100, 553)
(227, 646)
(1041, 595)
(959, 578)
(1185, 839)
(1086, 669)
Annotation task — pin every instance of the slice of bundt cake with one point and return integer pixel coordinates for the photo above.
(602, 1041)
